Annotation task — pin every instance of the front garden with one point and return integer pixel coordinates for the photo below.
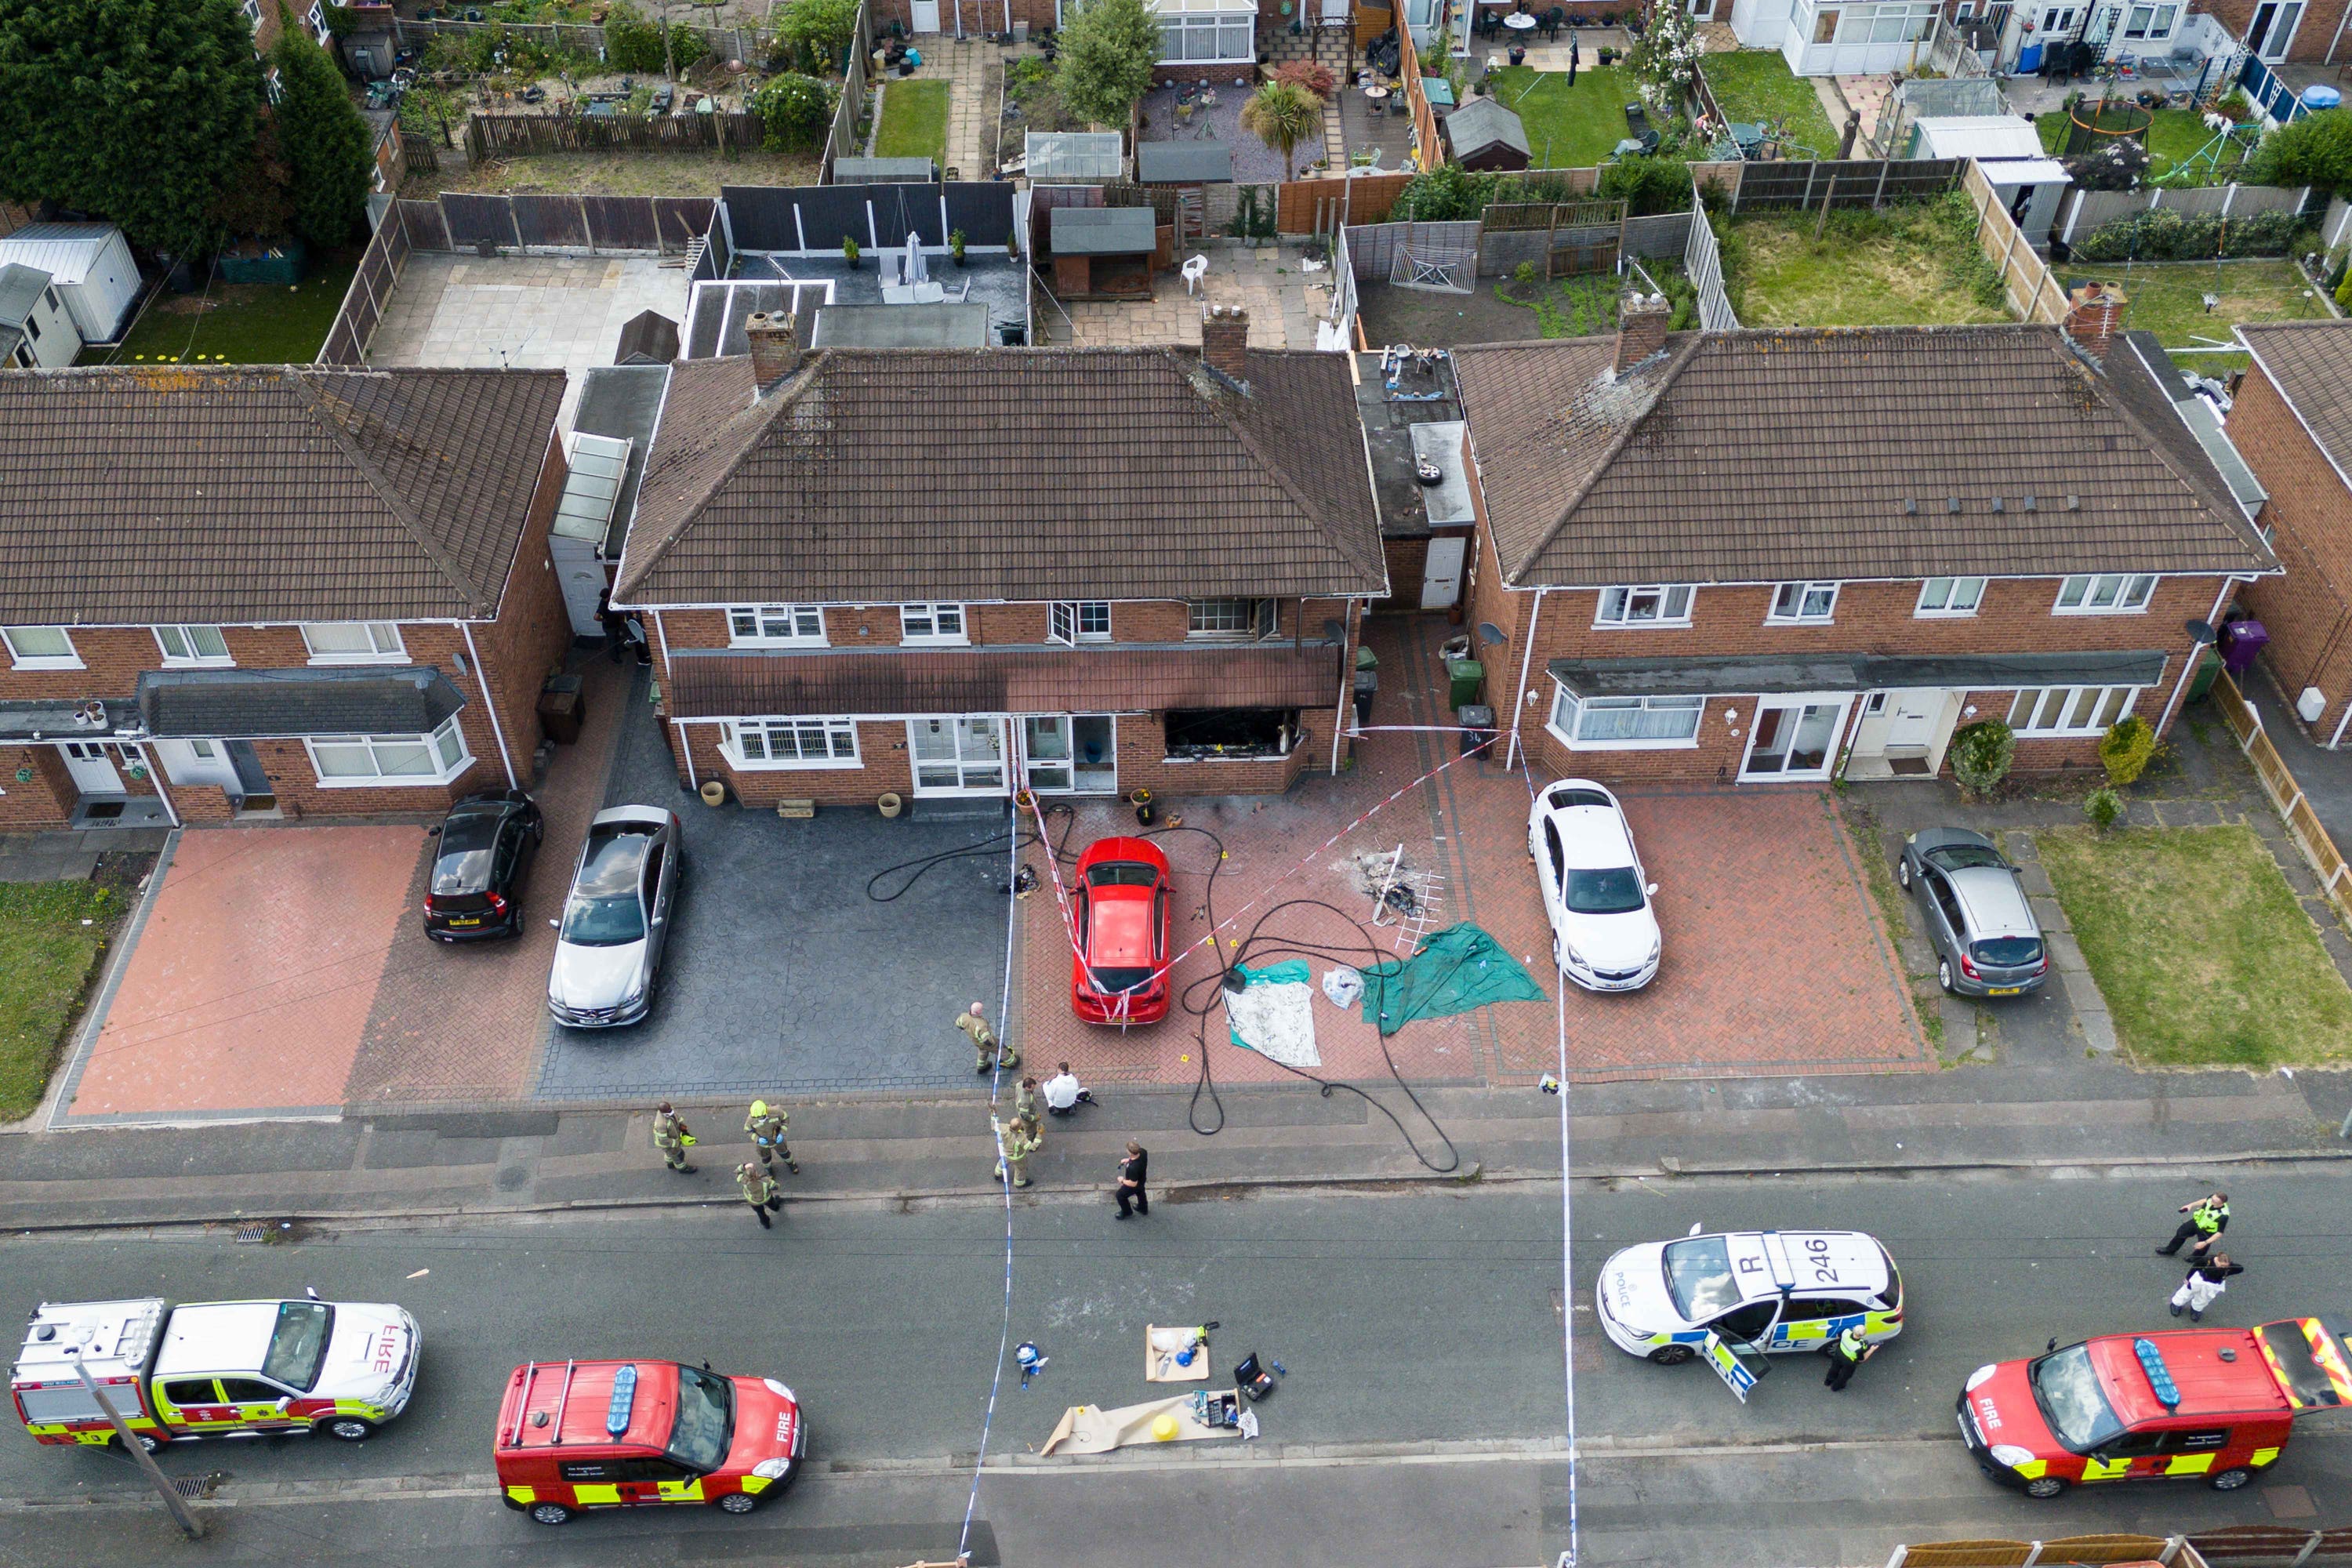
(1910, 264)
(51, 935)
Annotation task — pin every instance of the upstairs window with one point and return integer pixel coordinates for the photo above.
(2104, 594)
(354, 642)
(40, 648)
(1804, 602)
(1080, 620)
(1645, 606)
(193, 645)
(1951, 596)
(932, 624)
(753, 625)
(1230, 617)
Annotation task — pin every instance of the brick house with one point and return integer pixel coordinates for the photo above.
(272, 591)
(1214, 35)
(2293, 422)
(1113, 568)
(1758, 556)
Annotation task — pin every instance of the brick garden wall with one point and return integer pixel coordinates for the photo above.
(47, 799)
(2310, 513)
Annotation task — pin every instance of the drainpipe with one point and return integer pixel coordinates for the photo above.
(1519, 698)
(2212, 619)
(687, 752)
(156, 771)
(489, 702)
(1346, 685)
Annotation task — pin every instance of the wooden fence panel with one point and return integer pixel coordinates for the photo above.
(2311, 836)
(524, 136)
(553, 222)
(1703, 261)
(1852, 183)
(841, 137)
(2034, 294)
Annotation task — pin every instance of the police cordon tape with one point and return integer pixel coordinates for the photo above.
(996, 1128)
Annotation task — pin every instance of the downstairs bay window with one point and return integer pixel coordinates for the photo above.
(756, 743)
(349, 762)
(1206, 32)
(1625, 723)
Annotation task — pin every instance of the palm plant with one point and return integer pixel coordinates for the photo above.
(1282, 114)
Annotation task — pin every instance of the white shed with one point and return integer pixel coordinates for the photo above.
(36, 331)
(2008, 149)
(90, 266)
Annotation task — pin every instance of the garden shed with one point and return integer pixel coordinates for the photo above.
(2028, 182)
(885, 172)
(90, 265)
(36, 333)
(1074, 157)
(1484, 135)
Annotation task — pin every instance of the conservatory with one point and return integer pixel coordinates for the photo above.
(1839, 37)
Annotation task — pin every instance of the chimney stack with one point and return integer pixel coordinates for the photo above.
(1641, 327)
(2094, 316)
(1224, 341)
(775, 346)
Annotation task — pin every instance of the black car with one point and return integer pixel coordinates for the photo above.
(487, 842)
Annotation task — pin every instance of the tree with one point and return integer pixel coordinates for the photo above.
(326, 139)
(1107, 52)
(260, 200)
(2316, 149)
(1282, 114)
(820, 30)
(795, 111)
(141, 112)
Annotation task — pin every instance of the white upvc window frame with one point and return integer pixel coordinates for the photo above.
(386, 645)
(19, 658)
(1801, 596)
(2131, 592)
(272, 86)
(1227, 25)
(1259, 619)
(317, 17)
(445, 746)
(1566, 720)
(1644, 604)
(1066, 621)
(1948, 607)
(2079, 712)
(927, 624)
(803, 625)
(190, 657)
(750, 746)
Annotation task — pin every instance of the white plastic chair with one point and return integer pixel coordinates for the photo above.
(1195, 268)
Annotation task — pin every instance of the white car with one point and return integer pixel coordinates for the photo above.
(615, 923)
(1604, 933)
(1765, 1290)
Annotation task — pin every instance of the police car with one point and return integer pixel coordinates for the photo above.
(1761, 1290)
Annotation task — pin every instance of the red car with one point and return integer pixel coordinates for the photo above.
(1119, 973)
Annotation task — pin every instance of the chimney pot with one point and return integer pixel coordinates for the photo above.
(1641, 322)
(774, 338)
(1224, 341)
(2094, 315)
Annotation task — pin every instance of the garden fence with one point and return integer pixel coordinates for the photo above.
(2086, 211)
(491, 136)
(1702, 261)
(579, 38)
(2303, 825)
(1424, 119)
(2073, 1552)
(1318, 207)
(2034, 294)
(641, 225)
(2336, 229)
(1848, 183)
(370, 289)
(2282, 1545)
(1950, 52)
(1343, 290)
(2270, 92)
(842, 140)
(1372, 248)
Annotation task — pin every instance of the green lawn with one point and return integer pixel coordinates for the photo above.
(1898, 267)
(1756, 85)
(2174, 137)
(2167, 297)
(2204, 957)
(50, 937)
(914, 121)
(245, 323)
(1567, 127)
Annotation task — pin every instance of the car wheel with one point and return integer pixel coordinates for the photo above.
(2231, 1479)
(1673, 1355)
(347, 1428)
(2044, 1486)
(1902, 871)
(549, 1513)
(738, 1502)
(146, 1441)
(1557, 962)
(1944, 973)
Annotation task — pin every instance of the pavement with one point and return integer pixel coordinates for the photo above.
(1459, 1404)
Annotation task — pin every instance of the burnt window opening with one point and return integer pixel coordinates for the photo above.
(1198, 733)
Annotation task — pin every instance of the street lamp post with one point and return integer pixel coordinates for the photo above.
(182, 1515)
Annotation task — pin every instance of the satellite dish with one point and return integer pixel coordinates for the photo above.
(1491, 635)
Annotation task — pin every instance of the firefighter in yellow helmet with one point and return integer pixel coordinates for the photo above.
(766, 1128)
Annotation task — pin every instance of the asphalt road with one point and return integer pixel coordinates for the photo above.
(1407, 1318)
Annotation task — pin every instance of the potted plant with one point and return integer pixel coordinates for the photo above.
(955, 245)
(849, 252)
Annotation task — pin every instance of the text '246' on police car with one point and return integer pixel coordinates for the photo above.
(214, 1369)
(1768, 1289)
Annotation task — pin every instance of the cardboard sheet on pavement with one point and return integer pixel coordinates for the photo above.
(1089, 1429)
(1161, 1366)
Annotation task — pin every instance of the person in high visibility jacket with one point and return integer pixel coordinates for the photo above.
(2209, 1216)
(766, 1128)
(1019, 1144)
(1846, 1351)
(672, 1139)
(759, 1190)
(973, 1022)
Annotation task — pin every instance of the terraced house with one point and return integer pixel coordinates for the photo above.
(272, 591)
(1760, 556)
(957, 574)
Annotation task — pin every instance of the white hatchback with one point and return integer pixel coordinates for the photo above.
(1604, 933)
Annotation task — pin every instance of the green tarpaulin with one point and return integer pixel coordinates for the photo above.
(1459, 968)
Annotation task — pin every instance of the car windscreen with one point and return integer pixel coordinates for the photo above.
(1966, 857)
(2066, 1386)
(603, 910)
(1616, 891)
(461, 870)
(1699, 1277)
(1122, 874)
(2006, 951)
(298, 1345)
(705, 1427)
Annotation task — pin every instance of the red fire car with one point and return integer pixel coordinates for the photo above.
(1118, 974)
(2215, 1404)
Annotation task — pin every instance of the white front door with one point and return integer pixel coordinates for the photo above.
(198, 762)
(959, 754)
(1793, 738)
(927, 15)
(1441, 573)
(1046, 753)
(92, 767)
(1911, 727)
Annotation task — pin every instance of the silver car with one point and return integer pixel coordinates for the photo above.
(608, 947)
(1987, 941)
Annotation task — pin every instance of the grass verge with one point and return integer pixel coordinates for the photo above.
(1862, 826)
(2199, 947)
(50, 936)
(914, 121)
(1757, 86)
(1915, 265)
(1567, 127)
(243, 323)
